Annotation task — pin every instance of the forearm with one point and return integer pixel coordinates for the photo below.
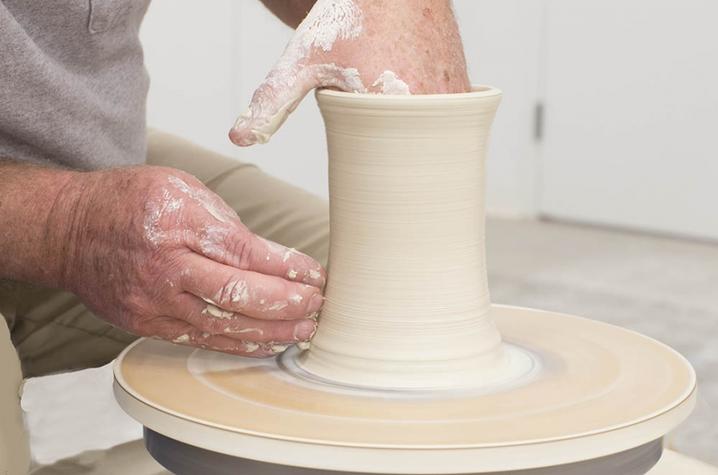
(291, 12)
(36, 209)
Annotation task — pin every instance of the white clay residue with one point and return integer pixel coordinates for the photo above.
(239, 292)
(212, 241)
(218, 312)
(251, 347)
(276, 306)
(235, 291)
(213, 205)
(346, 79)
(168, 207)
(182, 339)
(276, 249)
(391, 84)
(275, 348)
(353, 80)
(327, 22)
(292, 274)
(288, 253)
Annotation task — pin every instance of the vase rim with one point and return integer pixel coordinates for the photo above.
(477, 91)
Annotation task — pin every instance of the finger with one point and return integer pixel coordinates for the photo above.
(269, 257)
(270, 106)
(213, 320)
(237, 246)
(250, 293)
(183, 333)
(280, 94)
(224, 344)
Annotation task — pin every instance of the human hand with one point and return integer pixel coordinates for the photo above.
(153, 251)
(397, 47)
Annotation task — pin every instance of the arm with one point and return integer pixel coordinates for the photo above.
(33, 222)
(376, 46)
(291, 12)
(154, 252)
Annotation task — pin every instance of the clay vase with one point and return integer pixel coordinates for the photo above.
(407, 302)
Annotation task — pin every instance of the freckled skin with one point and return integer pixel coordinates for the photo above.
(159, 285)
(418, 40)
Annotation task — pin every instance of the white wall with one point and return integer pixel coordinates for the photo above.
(632, 115)
(188, 51)
(206, 62)
(502, 39)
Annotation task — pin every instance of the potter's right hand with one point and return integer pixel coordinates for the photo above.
(153, 251)
(397, 47)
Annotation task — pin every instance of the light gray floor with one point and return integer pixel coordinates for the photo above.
(665, 288)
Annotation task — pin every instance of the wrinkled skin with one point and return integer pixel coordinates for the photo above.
(172, 247)
(418, 40)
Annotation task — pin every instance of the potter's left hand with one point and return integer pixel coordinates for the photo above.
(397, 47)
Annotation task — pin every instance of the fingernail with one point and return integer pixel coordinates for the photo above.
(304, 330)
(242, 137)
(315, 303)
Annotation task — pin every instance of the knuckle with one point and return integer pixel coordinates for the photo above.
(233, 294)
(134, 304)
(134, 324)
(244, 250)
(161, 212)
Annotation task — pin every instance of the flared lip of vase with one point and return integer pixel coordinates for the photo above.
(477, 91)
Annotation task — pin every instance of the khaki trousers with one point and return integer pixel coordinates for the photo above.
(49, 331)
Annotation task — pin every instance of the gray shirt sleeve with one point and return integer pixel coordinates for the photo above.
(73, 85)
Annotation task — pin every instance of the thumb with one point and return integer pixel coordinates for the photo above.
(280, 94)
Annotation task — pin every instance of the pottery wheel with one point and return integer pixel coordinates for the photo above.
(591, 390)
(412, 370)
